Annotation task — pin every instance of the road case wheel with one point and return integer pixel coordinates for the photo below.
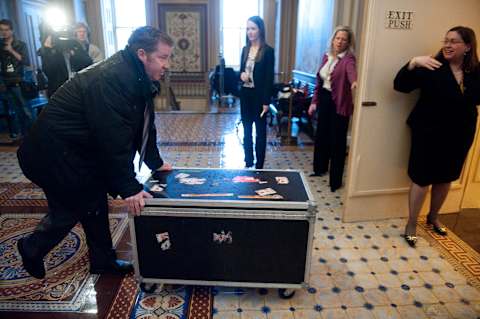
(286, 293)
(148, 288)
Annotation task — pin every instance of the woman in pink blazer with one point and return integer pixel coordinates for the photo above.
(336, 78)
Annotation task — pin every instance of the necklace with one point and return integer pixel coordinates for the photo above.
(458, 74)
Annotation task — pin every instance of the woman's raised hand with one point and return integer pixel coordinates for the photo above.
(425, 61)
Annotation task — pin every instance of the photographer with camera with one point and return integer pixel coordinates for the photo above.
(62, 56)
(82, 34)
(13, 59)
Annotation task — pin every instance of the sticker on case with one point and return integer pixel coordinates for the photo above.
(192, 181)
(245, 179)
(282, 180)
(164, 240)
(156, 188)
(222, 237)
(266, 191)
(181, 175)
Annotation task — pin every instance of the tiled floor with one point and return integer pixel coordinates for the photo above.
(358, 270)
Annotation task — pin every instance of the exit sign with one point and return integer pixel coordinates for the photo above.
(402, 20)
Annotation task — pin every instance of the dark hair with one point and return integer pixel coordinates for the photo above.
(7, 23)
(261, 35)
(470, 60)
(147, 38)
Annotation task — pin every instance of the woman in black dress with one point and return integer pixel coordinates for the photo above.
(256, 73)
(443, 122)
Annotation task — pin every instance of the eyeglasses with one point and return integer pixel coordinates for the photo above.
(452, 41)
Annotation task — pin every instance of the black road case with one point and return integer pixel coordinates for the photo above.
(241, 228)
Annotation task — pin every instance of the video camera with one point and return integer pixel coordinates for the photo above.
(62, 39)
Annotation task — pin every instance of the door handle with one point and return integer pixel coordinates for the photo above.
(369, 103)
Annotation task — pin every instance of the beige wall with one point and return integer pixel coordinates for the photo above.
(377, 179)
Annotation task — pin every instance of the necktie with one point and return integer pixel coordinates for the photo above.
(146, 128)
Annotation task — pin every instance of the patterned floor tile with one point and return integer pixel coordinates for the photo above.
(411, 312)
(437, 312)
(461, 311)
(446, 294)
(251, 300)
(327, 298)
(303, 300)
(352, 298)
(376, 297)
(400, 297)
(280, 314)
(306, 314)
(386, 312)
(360, 313)
(234, 314)
(424, 295)
(273, 301)
(253, 314)
(468, 292)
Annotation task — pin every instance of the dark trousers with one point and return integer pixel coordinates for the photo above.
(330, 140)
(61, 218)
(251, 108)
(22, 119)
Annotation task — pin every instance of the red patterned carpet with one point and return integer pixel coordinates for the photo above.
(68, 280)
(69, 284)
(169, 303)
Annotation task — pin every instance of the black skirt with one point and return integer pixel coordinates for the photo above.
(437, 155)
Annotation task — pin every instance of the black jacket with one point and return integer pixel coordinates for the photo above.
(86, 138)
(12, 69)
(441, 104)
(55, 68)
(262, 73)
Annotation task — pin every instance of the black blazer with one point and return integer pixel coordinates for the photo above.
(441, 104)
(262, 73)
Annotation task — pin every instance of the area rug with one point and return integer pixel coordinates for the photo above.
(29, 198)
(459, 254)
(68, 282)
(169, 302)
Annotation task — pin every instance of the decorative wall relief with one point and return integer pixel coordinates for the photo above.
(186, 24)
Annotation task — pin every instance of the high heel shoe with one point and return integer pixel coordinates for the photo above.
(442, 231)
(411, 240)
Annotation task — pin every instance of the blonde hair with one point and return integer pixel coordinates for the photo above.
(351, 38)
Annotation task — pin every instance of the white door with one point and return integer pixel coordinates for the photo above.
(393, 32)
(471, 196)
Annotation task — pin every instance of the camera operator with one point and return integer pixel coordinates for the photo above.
(62, 57)
(82, 34)
(13, 58)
